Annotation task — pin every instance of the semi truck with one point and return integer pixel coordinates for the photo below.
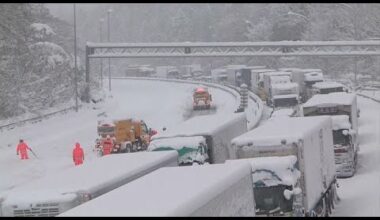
(128, 134)
(346, 141)
(279, 90)
(57, 193)
(305, 78)
(202, 139)
(214, 190)
(293, 165)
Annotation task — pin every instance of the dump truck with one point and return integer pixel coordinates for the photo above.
(214, 190)
(293, 165)
(128, 135)
(202, 139)
(345, 134)
(64, 190)
(201, 98)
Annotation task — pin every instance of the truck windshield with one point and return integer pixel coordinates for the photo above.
(285, 102)
(340, 138)
(270, 200)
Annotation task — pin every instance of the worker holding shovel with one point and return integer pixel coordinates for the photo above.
(22, 148)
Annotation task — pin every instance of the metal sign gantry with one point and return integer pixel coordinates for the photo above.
(229, 49)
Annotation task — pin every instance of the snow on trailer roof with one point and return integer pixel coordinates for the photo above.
(282, 167)
(285, 96)
(91, 175)
(274, 131)
(335, 98)
(178, 142)
(340, 122)
(262, 70)
(278, 73)
(327, 85)
(171, 191)
(201, 125)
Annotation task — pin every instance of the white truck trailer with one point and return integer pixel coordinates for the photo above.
(292, 165)
(280, 90)
(213, 190)
(54, 194)
(232, 73)
(346, 141)
(202, 139)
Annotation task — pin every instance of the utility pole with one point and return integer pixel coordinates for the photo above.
(75, 60)
(109, 59)
(101, 59)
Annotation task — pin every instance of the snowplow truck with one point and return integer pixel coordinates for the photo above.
(201, 99)
(128, 135)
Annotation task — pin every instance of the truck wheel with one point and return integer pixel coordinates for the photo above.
(128, 148)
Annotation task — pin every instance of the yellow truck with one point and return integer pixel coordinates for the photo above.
(129, 135)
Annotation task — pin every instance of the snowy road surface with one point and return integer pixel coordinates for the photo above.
(158, 103)
(360, 194)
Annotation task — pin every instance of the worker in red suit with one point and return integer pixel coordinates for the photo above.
(107, 145)
(22, 148)
(78, 155)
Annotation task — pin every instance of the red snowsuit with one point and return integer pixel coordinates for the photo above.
(107, 146)
(78, 155)
(23, 148)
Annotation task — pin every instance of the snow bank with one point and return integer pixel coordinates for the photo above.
(325, 100)
(181, 191)
(282, 168)
(42, 29)
(340, 122)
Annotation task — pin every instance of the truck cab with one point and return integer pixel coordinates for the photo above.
(201, 98)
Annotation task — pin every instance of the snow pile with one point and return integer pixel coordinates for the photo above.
(327, 85)
(273, 171)
(325, 100)
(180, 191)
(340, 122)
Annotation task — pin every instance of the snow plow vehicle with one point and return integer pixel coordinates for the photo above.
(201, 99)
(128, 135)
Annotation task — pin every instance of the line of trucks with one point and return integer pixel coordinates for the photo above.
(285, 167)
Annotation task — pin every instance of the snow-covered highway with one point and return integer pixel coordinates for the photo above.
(159, 104)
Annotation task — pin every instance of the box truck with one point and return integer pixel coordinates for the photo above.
(54, 194)
(202, 139)
(292, 165)
(345, 132)
(213, 190)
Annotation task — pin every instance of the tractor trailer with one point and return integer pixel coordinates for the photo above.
(54, 194)
(213, 190)
(202, 139)
(293, 165)
(345, 129)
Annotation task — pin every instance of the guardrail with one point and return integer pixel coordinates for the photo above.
(235, 91)
(34, 119)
